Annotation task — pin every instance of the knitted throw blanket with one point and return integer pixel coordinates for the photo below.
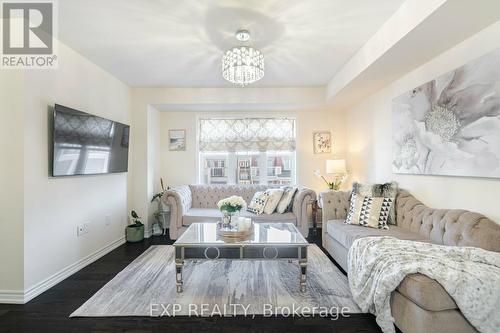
(471, 276)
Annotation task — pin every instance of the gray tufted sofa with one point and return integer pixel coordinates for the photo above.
(198, 203)
(419, 304)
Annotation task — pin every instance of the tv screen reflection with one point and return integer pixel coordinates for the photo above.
(85, 144)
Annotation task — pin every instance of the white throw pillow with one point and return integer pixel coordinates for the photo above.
(286, 199)
(258, 202)
(275, 195)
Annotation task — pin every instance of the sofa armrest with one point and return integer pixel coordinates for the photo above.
(303, 198)
(334, 205)
(180, 199)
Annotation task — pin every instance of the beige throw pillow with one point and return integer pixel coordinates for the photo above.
(273, 201)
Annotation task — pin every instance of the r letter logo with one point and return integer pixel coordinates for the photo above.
(28, 35)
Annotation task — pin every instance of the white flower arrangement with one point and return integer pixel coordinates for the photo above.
(232, 204)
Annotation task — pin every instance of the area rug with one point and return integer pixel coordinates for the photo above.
(147, 287)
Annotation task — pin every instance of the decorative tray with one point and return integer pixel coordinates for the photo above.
(233, 232)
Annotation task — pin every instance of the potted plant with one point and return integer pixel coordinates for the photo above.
(135, 231)
(157, 197)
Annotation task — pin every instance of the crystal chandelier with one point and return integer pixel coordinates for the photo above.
(243, 65)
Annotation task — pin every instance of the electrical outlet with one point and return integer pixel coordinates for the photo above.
(83, 229)
(107, 220)
(79, 229)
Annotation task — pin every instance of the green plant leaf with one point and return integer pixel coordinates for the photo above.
(157, 195)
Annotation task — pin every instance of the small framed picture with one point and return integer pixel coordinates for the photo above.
(177, 140)
(322, 142)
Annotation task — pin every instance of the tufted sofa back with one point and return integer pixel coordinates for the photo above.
(207, 196)
(447, 226)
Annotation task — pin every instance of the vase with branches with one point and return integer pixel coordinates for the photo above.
(162, 208)
(333, 185)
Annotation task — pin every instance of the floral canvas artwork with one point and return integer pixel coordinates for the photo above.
(322, 142)
(451, 125)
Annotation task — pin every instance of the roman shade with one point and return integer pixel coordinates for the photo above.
(247, 134)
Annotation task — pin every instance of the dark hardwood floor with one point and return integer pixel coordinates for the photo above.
(49, 312)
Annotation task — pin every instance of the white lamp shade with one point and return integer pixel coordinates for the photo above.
(336, 167)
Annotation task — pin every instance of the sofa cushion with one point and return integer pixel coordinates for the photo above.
(346, 234)
(422, 290)
(197, 215)
(409, 317)
(200, 215)
(426, 293)
(284, 218)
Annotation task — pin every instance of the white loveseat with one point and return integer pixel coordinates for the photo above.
(198, 203)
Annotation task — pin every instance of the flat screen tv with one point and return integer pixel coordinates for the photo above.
(84, 144)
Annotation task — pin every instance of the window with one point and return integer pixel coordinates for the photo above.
(215, 168)
(247, 151)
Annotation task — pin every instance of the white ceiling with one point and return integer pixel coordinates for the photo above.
(179, 43)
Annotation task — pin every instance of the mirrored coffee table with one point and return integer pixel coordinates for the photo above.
(270, 241)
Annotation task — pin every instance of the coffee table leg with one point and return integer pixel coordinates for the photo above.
(178, 274)
(303, 274)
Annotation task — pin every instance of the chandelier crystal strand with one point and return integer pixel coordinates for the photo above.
(243, 65)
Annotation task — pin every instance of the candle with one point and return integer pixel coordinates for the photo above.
(246, 224)
(235, 222)
(241, 224)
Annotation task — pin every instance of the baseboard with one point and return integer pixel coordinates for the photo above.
(51, 281)
(11, 297)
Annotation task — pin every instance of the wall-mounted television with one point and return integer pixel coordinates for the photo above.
(84, 144)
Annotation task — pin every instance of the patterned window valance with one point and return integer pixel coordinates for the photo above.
(247, 134)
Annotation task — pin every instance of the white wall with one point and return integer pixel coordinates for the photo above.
(54, 206)
(154, 158)
(146, 169)
(182, 167)
(11, 180)
(370, 136)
